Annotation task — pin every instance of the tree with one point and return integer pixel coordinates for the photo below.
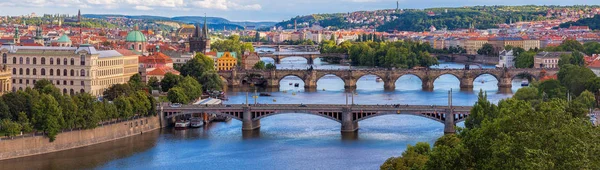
(211, 81)
(24, 122)
(154, 83)
(270, 66)
(136, 82)
(482, 110)
(552, 89)
(177, 95)
(10, 128)
(117, 90)
(570, 45)
(575, 58)
(574, 78)
(47, 116)
(415, 157)
(590, 48)
(257, 37)
(260, 65)
(169, 81)
(192, 88)
(525, 59)
(196, 66)
(587, 99)
(4, 111)
(486, 49)
(40, 84)
(530, 94)
(124, 107)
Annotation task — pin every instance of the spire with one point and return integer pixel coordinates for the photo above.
(79, 15)
(16, 36)
(197, 32)
(205, 31)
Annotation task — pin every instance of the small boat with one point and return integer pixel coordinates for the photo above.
(264, 94)
(182, 124)
(378, 79)
(297, 85)
(482, 81)
(524, 83)
(291, 84)
(196, 122)
(274, 100)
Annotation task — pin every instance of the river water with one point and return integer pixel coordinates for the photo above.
(285, 141)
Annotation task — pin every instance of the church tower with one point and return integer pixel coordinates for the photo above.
(17, 37)
(200, 40)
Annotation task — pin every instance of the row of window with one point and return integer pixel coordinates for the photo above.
(50, 72)
(72, 92)
(42, 60)
(58, 82)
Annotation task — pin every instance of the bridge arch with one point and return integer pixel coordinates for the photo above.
(480, 75)
(335, 116)
(414, 82)
(525, 74)
(335, 79)
(437, 118)
(291, 57)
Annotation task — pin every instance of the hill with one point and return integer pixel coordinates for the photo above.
(214, 22)
(593, 23)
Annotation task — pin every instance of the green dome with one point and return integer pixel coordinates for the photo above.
(64, 39)
(135, 36)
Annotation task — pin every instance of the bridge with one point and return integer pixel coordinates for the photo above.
(235, 78)
(290, 47)
(310, 56)
(347, 115)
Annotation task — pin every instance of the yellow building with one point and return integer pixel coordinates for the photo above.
(226, 60)
(474, 44)
(5, 75)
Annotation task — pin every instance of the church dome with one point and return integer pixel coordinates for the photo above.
(135, 36)
(64, 39)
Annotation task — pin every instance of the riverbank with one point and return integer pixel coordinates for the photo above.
(29, 146)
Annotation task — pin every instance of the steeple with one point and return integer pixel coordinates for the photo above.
(17, 37)
(205, 31)
(197, 32)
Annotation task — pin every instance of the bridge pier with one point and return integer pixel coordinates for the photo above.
(310, 60)
(466, 83)
(505, 82)
(277, 59)
(389, 85)
(427, 84)
(350, 85)
(348, 125)
(449, 122)
(247, 123)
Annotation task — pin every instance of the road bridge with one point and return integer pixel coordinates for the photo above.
(235, 78)
(310, 56)
(347, 115)
(290, 47)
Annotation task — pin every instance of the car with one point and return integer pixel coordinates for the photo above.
(175, 105)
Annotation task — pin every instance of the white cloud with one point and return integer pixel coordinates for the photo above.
(225, 5)
(143, 8)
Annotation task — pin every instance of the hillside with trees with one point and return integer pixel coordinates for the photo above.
(593, 23)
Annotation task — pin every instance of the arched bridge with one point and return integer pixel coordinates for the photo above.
(234, 78)
(310, 56)
(347, 115)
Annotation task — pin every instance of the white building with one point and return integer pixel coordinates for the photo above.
(506, 59)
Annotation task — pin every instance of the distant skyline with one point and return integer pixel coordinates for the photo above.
(242, 10)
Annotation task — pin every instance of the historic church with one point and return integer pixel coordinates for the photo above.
(200, 41)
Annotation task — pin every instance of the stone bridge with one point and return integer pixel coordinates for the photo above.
(347, 115)
(234, 78)
(289, 47)
(309, 56)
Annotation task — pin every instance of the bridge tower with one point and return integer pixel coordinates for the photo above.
(247, 123)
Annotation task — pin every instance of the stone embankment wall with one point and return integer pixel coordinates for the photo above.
(28, 146)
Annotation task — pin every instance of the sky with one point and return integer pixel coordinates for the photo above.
(243, 10)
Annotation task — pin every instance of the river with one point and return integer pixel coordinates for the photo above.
(285, 141)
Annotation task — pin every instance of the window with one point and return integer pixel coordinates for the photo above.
(27, 72)
(51, 61)
(81, 91)
(82, 73)
(34, 61)
(72, 72)
(51, 72)
(20, 81)
(72, 61)
(27, 60)
(4, 56)
(71, 82)
(58, 72)
(82, 83)
(64, 82)
(14, 81)
(27, 81)
(65, 61)
(20, 71)
(43, 60)
(71, 92)
(65, 72)
(44, 72)
(14, 71)
(20, 60)
(14, 60)
(34, 72)
(57, 61)
(82, 60)
(64, 91)
(133, 46)
(57, 82)
(140, 47)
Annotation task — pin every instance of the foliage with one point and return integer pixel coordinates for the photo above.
(270, 66)
(197, 66)
(525, 59)
(590, 48)
(415, 157)
(154, 83)
(391, 54)
(9, 127)
(574, 78)
(487, 49)
(47, 116)
(575, 58)
(211, 81)
(177, 95)
(191, 87)
(169, 81)
(593, 23)
(136, 82)
(260, 65)
(117, 90)
(232, 44)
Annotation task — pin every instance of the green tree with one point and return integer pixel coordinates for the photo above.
(47, 116)
(415, 157)
(257, 37)
(270, 66)
(40, 84)
(552, 89)
(486, 49)
(574, 78)
(530, 94)
(192, 88)
(154, 83)
(10, 128)
(177, 95)
(136, 82)
(591, 48)
(169, 81)
(4, 110)
(117, 90)
(260, 65)
(570, 45)
(211, 81)
(587, 99)
(483, 109)
(24, 122)
(124, 107)
(525, 59)
(196, 66)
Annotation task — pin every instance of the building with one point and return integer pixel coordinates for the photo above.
(64, 41)
(156, 65)
(5, 79)
(200, 40)
(136, 41)
(506, 59)
(474, 44)
(595, 67)
(226, 60)
(71, 69)
(249, 59)
(547, 59)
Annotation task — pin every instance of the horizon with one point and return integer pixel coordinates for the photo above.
(249, 11)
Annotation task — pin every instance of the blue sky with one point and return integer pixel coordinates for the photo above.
(247, 10)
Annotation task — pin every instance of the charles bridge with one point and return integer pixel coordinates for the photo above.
(236, 78)
(347, 115)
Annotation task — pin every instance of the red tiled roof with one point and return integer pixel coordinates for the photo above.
(594, 64)
(125, 52)
(155, 58)
(161, 71)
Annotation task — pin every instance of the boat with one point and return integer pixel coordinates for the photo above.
(264, 94)
(196, 122)
(524, 83)
(378, 79)
(182, 124)
(297, 85)
(291, 84)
